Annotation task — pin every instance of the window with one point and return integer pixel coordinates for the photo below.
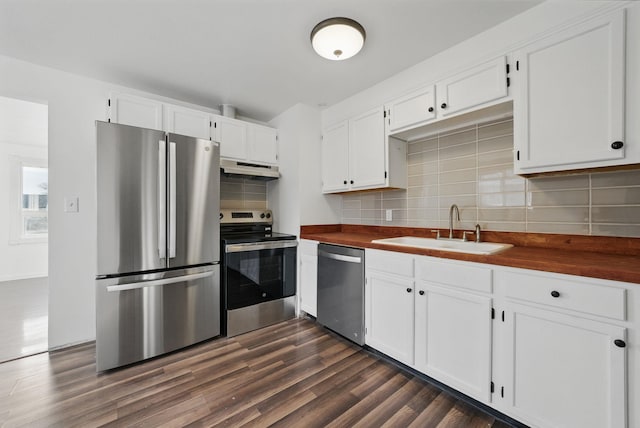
(34, 207)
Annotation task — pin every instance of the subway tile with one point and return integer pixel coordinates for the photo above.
(495, 129)
(559, 183)
(230, 203)
(468, 214)
(231, 196)
(423, 145)
(395, 222)
(616, 179)
(230, 187)
(458, 151)
(458, 130)
(394, 194)
(255, 188)
(558, 214)
(458, 163)
(370, 214)
(616, 196)
(500, 157)
(351, 196)
(626, 230)
(255, 205)
(625, 215)
(558, 198)
(422, 157)
(503, 226)
(353, 214)
(254, 196)
(468, 201)
(494, 144)
(502, 214)
(371, 202)
(457, 138)
(350, 204)
(423, 169)
(431, 202)
(562, 228)
(394, 204)
(502, 199)
(459, 176)
(423, 180)
(422, 191)
(458, 189)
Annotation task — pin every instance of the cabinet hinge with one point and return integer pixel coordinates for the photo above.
(493, 313)
(210, 124)
(517, 65)
(492, 387)
(109, 120)
(384, 113)
(109, 102)
(507, 68)
(385, 174)
(502, 316)
(518, 155)
(276, 157)
(508, 82)
(502, 391)
(215, 124)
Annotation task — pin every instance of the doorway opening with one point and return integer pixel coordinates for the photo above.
(24, 196)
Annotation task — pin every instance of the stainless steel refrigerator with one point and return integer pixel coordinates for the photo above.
(158, 279)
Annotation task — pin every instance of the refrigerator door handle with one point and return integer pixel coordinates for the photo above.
(172, 200)
(162, 199)
(159, 282)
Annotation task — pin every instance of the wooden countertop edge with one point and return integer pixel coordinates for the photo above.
(613, 267)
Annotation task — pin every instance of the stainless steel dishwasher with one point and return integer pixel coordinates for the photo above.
(341, 290)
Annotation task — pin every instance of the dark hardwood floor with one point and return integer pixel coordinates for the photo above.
(293, 374)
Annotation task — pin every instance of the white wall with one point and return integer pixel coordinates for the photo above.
(23, 135)
(74, 104)
(296, 198)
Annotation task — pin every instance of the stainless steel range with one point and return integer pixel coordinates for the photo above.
(258, 271)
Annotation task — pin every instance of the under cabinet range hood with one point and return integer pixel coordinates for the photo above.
(231, 168)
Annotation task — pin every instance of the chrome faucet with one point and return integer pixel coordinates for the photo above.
(477, 233)
(454, 207)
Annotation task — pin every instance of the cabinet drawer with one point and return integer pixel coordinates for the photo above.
(390, 262)
(470, 277)
(578, 296)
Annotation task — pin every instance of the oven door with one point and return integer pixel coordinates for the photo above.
(259, 272)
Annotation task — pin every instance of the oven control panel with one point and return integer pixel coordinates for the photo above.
(229, 216)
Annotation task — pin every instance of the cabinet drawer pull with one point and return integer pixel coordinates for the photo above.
(409, 290)
(421, 292)
(620, 343)
(617, 145)
(555, 293)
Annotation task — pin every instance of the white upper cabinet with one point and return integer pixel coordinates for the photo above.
(245, 141)
(335, 158)
(367, 150)
(569, 103)
(186, 121)
(136, 111)
(472, 88)
(414, 109)
(263, 144)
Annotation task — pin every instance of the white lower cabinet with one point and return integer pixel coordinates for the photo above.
(533, 345)
(453, 338)
(308, 253)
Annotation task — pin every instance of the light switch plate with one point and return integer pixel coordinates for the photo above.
(71, 205)
(389, 215)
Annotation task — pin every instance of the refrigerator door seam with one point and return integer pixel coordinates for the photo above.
(162, 199)
(172, 200)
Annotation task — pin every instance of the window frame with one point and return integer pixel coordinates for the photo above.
(18, 235)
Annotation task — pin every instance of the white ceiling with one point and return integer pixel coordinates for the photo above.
(254, 54)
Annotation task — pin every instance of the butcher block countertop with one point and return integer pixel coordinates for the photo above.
(602, 257)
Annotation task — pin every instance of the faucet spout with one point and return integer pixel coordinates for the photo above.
(453, 208)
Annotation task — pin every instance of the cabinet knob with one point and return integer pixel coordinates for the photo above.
(430, 109)
(345, 181)
(408, 290)
(443, 105)
(555, 293)
(617, 145)
(619, 343)
(421, 292)
(351, 181)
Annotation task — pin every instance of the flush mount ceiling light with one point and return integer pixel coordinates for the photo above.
(337, 38)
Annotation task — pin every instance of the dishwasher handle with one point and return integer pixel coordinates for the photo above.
(339, 257)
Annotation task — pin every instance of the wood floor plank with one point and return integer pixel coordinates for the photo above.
(294, 373)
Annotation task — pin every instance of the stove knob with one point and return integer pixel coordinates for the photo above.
(268, 215)
(262, 215)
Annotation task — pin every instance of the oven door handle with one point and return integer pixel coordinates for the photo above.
(256, 246)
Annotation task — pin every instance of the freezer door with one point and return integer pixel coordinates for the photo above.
(143, 316)
(131, 196)
(194, 201)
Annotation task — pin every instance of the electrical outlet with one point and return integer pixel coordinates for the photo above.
(71, 205)
(389, 215)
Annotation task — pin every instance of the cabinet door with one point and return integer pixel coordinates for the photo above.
(136, 111)
(389, 316)
(367, 167)
(232, 135)
(335, 158)
(308, 251)
(473, 87)
(569, 106)
(414, 109)
(262, 145)
(564, 371)
(453, 338)
(192, 123)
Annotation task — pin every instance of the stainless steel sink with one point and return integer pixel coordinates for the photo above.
(456, 246)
